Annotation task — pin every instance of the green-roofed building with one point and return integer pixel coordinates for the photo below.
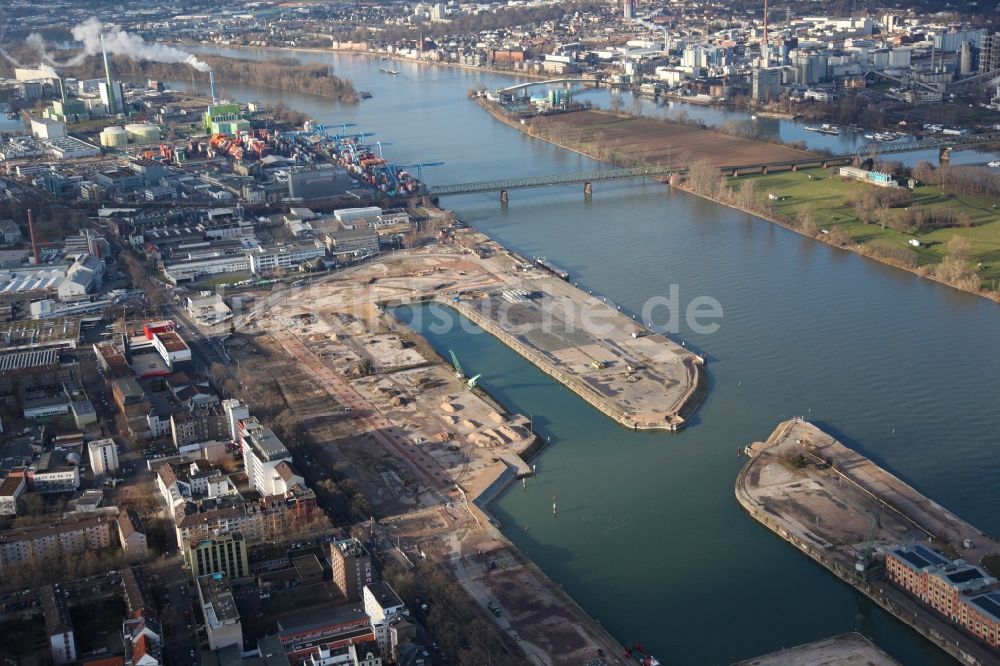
(226, 119)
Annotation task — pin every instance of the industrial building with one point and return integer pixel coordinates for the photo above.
(226, 119)
(960, 592)
(318, 182)
(263, 262)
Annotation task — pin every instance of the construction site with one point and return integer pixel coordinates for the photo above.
(846, 513)
(413, 437)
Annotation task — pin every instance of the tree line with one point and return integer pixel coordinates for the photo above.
(287, 74)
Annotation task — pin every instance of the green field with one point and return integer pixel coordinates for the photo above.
(828, 195)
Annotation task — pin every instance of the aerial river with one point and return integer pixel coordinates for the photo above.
(649, 537)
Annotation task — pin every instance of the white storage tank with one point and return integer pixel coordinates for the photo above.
(114, 137)
(143, 133)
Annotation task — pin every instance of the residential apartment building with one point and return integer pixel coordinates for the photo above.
(235, 411)
(132, 536)
(226, 554)
(54, 473)
(11, 490)
(383, 607)
(266, 519)
(58, 626)
(103, 457)
(766, 84)
(352, 568)
(69, 536)
(198, 423)
(263, 452)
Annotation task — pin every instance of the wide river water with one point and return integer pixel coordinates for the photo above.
(650, 539)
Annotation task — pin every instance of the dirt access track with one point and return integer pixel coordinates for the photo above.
(659, 141)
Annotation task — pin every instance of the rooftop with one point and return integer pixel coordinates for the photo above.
(220, 607)
(23, 334)
(28, 359)
(988, 603)
(919, 557)
(267, 445)
(171, 341)
(10, 485)
(383, 594)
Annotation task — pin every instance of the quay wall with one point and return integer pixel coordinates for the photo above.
(609, 409)
(845, 574)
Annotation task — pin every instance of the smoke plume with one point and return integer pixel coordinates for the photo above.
(117, 42)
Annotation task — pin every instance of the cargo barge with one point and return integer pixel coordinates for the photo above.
(552, 268)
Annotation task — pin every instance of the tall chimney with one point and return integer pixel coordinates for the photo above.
(764, 50)
(112, 106)
(62, 91)
(211, 85)
(34, 243)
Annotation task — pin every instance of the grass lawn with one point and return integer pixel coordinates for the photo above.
(828, 193)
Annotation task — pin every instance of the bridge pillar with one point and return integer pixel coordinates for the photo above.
(825, 164)
(588, 189)
(736, 173)
(503, 196)
(763, 170)
(795, 167)
(944, 156)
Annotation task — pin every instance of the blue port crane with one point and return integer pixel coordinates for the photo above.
(419, 167)
(379, 144)
(325, 129)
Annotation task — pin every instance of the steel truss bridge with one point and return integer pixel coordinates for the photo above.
(883, 147)
(546, 181)
(587, 177)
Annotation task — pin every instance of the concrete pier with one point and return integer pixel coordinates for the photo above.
(819, 496)
(641, 379)
(846, 650)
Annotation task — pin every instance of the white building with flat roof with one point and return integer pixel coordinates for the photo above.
(103, 457)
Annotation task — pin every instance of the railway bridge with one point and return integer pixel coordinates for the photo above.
(587, 178)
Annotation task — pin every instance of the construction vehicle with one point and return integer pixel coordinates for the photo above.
(473, 383)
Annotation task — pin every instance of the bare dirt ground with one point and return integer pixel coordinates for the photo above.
(548, 626)
(844, 650)
(661, 142)
(418, 443)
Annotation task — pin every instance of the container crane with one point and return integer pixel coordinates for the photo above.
(864, 558)
(379, 144)
(420, 168)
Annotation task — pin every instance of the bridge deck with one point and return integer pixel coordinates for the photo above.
(882, 148)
